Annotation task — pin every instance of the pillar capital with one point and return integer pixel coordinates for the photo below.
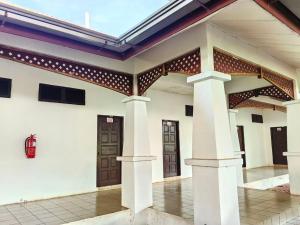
(136, 98)
(209, 75)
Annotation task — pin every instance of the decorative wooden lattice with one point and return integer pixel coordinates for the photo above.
(226, 63)
(230, 64)
(188, 64)
(117, 81)
(285, 84)
(147, 78)
(262, 105)
(237, 98)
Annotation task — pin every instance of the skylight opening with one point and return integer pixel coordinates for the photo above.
(111, 17)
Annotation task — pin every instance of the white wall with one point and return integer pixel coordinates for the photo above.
(169, 106)
(257, 136)
(67, 134)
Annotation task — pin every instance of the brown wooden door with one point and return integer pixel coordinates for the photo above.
(279, 145)
(110, 140)
(171, 152)
(240, 130)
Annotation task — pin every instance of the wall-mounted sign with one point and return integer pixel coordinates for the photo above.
(109, 119)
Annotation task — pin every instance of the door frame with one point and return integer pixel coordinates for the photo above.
(121, 144)
(272, 145)
(244, 157)
(178, 146)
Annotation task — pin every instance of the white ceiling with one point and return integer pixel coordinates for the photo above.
(243, 83)
(173, 83)
(247, 19)
(176, 83)
(260, 29)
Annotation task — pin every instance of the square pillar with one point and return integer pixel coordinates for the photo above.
(214, 163)
(136, 159)
(293, 142)
(236, 145)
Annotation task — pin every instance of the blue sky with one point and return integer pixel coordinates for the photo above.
(113, 17)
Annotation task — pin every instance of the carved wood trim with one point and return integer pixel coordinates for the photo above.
(230, 64)
(261, 105)
(188, 64)
(283, 83)
(147, 78)
(227, 63)
(111, 79)
(271, 91)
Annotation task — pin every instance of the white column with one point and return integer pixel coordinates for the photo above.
(236, 146)
(136, 159)
(214, 166)
(293, 141)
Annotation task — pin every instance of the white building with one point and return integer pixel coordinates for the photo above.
(68, 84)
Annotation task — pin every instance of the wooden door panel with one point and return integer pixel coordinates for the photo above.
(109, 147)
(171, 153)
(279, 145)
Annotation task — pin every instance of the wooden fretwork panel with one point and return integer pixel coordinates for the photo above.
(226, 63)
(109, 147)
(284, 84)
(171, 153)
(249, 103)
(188, 64)
(147, 78)
(114, 80)
(271, 91)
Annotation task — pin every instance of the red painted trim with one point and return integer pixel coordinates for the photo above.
(119, 56)
(59, 41)
(152, 41)
(279, 15)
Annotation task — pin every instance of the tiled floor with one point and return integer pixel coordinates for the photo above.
(174, 197)
(255, 206)
(62, 210)
(295, 221)
(251, 175)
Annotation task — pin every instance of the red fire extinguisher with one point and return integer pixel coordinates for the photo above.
(30, 146)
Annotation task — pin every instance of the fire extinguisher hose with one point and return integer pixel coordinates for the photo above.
(26, 144)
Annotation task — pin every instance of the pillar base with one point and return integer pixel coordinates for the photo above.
(294, 171)
(215, 191)
(137, 182)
